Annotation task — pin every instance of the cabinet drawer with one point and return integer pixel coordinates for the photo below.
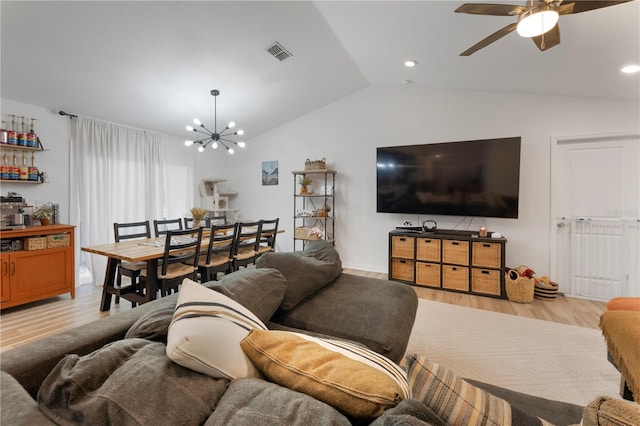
(485, 281)
(402, 246)
(455, 277)
(428, 249)
(456, 252)
(486, 254)
(428, 274)
(402, 269)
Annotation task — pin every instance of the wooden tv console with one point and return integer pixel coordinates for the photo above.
(448, 260)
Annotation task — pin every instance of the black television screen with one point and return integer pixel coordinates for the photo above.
(468, 178)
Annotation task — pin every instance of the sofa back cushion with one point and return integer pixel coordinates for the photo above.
(306, 271)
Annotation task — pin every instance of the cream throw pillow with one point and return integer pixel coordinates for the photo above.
(206, 330)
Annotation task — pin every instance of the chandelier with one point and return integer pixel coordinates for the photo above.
(214, 137)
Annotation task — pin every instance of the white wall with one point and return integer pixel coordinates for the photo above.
(348, 131)
(53, 130)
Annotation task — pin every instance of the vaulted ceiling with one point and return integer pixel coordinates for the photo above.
(152, 64)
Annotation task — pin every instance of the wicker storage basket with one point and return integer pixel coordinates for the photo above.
(35, 243)
(519, 289)
(304, 233)
(315, 164)
(58, 240)
(546, 291)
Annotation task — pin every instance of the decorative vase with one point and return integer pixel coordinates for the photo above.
(45, 221)
(196, 223)
(304, 190)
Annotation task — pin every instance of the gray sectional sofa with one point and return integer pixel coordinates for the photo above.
(116, 371)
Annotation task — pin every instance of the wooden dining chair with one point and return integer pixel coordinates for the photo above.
(246, 244)
(188, 223)
(132, 270)
(180, 259)
(218, 220)
(162, 226)
(219, 254)
(268, 234)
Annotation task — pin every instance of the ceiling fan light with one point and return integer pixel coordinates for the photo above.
(536, 22)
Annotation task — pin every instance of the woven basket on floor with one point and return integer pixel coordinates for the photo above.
(519, 289)
(546, 291)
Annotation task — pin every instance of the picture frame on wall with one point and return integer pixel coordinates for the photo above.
(269, 172)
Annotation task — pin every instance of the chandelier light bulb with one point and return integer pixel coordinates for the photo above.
(230, 150)
(537, 22)
(201, 148)
(242, 144)
(214, 145)
(197, 122)
(232, 124)
(240, 132)
(189, 128)
(188, 143)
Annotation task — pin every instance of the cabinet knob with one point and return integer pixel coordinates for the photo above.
(486, 245)
(403, 239)
(455, 243)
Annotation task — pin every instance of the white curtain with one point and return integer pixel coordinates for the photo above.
(123, 174)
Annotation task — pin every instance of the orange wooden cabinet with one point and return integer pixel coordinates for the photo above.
(30, 275)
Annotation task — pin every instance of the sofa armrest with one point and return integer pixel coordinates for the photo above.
(18, 407)
(30, 364)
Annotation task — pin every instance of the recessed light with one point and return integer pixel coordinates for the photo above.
(630, 69)
(410, 63)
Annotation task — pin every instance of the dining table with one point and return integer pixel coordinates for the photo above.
(149, 250)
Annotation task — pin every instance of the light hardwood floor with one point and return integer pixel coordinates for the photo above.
(24, 324)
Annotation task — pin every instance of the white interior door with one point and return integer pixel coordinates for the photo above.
(595, 206)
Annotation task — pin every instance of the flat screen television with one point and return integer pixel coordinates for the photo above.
(467, 178)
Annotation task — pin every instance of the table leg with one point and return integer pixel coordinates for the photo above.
(109, 280)
(151, 281)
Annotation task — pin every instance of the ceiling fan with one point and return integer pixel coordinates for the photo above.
(537, 19)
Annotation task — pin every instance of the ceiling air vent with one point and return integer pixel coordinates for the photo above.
(278, 51)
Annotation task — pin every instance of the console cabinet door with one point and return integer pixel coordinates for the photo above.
(40, 273)
(5, 287)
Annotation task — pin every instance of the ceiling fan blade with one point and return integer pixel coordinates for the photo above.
(550, 38)
(491, 9)
(493, 37)
(584, 6)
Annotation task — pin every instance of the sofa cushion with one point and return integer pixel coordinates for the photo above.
(306, 271)
(206, 331)
(409, 413)
(456, 401)
(154, 324)
(259, 290)
(129, 381)
(258, 402)
(377, 313)
(354, 380)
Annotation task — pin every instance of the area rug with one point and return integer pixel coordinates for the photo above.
(541, 358)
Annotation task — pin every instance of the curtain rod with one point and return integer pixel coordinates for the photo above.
(66, 113)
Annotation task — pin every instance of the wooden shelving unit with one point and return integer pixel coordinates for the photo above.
(310, 209)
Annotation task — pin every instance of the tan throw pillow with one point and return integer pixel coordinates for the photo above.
(609, 411)
(206, 331)
(458, 402)
(357, 381)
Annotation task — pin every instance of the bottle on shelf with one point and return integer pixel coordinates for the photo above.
(5, 170)
(12, 134)
(22, 136)
(24, 169)
(33, 170)
(15, 169)
(32, 138)
(4, 134)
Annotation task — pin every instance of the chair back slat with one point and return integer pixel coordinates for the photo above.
(162, 226)
(221, 240)
(204, 223)
(131, 230)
